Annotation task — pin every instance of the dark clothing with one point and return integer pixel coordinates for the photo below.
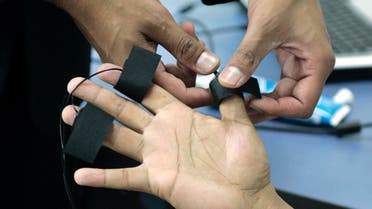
(41, 49)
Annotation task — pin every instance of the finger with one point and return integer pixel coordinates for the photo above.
(119, 138)
(291, 98)
(186, 48)
(193, 97)
(155, 98)
(189, 28)
(69, 113)
(125, 141)
(159, 97)
(256, 116)
(244, 61)
(181, 72)
(124, 111)
(233, 109)
(123, 178)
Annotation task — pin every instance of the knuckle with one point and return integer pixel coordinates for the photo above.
(187, 49)
(306, 112)
(328, 60)
(245, 57)
(331, 60)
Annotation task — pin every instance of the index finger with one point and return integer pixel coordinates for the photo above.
(155, 98)
(291, 98)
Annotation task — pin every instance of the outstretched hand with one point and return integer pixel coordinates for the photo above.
(189, 159)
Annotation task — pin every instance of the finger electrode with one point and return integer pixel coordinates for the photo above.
(92, 124)
(220, 92)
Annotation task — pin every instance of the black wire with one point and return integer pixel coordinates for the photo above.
(69, 98)
(341, 130)
(367, 125)
(297, 129)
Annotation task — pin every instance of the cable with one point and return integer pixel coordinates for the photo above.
(340, 130)
(69, 99)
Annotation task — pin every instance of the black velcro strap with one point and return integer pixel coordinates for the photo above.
(137, 74)
(88, 132)
(220, 92)
(213, 2)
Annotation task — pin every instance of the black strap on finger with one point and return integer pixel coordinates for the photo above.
(92, 124)
(220, 92)
(138, 73)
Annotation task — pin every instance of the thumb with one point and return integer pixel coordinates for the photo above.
(187, 49)
(233, 108)
(245, 60)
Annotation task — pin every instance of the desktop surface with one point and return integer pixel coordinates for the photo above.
(323, 167)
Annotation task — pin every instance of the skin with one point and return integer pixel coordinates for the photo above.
(113, 27)
(296, 31)
(187, 158)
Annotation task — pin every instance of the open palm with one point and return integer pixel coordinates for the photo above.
(189, 159)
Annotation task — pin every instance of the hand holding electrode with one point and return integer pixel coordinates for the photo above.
(295, 29)
(113, 27)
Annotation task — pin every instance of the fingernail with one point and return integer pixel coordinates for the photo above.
(231, 75)
(207, 62)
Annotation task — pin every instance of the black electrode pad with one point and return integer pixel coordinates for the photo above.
(88, 132)
(219, 92)
(212, 2)
(137, 73)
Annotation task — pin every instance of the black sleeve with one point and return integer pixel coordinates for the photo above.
(212, 2)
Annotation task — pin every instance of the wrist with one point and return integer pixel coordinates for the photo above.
(268, 198)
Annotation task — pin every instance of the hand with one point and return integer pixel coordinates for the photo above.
(189, 159)
(114, 26)
(295, 29)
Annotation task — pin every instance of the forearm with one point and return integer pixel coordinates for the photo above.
(98, 24)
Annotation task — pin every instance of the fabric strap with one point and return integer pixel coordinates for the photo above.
(138, 72)
(220, 92)
(88, 132)
(92, 124)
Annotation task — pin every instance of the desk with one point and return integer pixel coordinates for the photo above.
(322, 167)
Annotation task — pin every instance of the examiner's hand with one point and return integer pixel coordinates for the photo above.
(295, 29)
(187, 158)
(113, 27)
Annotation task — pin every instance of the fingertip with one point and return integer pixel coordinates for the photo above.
(207, 62)
(69, 114)
(232, 77)
(189, 28)
(73, 83)
(88, 176)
